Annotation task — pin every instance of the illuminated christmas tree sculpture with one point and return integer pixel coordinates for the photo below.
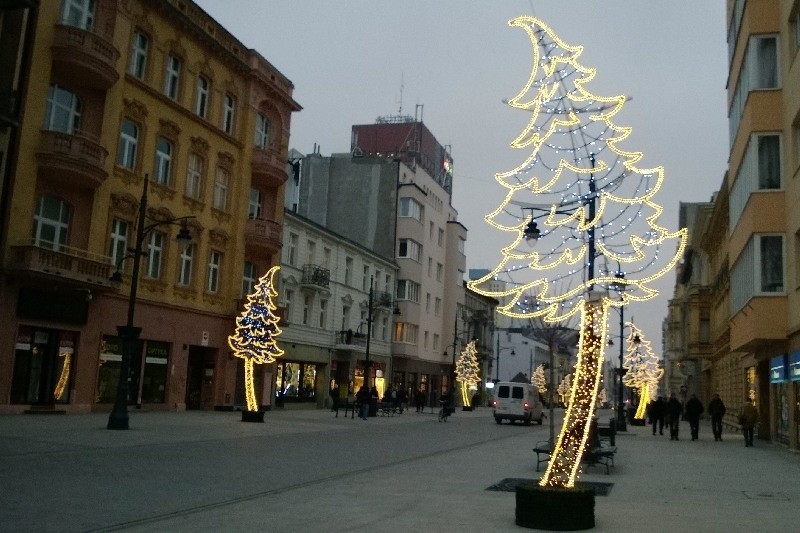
(644, 371)
(467, 370)
(256, 332)
(579, 197)
(539, 379)
(564, 389)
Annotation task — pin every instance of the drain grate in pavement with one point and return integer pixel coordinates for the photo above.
(766, 496)
(509, 484)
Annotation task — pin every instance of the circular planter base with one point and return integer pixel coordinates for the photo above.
(253, 416)
(555, 508)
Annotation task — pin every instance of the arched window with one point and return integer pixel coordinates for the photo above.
(51, 222)
(163, 161)
(128, 144)
(63, 111)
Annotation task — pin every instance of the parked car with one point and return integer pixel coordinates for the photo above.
(517, 401)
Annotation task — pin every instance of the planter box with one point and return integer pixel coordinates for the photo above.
(253, 416)
(555, 508)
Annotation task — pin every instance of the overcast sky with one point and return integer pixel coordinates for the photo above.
(459, 59)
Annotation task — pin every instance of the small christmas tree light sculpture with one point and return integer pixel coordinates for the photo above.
(643, 372)
(467, 370)
(539, 379)
(564, 389)
(595, 208)
(256, 332)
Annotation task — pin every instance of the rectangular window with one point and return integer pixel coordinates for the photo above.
(410, 208)
(185, 265)
(254, 204)
(311, 252)
(439, 271)
(409, 249)
(345, 318)
(425, 339)
(287, 304)
(440, 240)
(78, 13)
(249, 276)
(435, 342)
(759, 71)
(323, 316)
(428, 302)
(758, 271)
(128, 144)
(461, 245)
(155, 249)
(138, 59)
(405, 332)
(194, 176)
(430, 267)
(119, 242)
(163, 165)
(348, 271)
(384, 328)
(430, 231)
(262, 132)
(408, 290)
(214, 262)
(760, 170)
(221, 189)
(51, 222)
(326, 258)
(770, 263)
(228, 113)
(306, 309)
(365, 279)
(172, 77)
(291, 251)
(201, 98)
(437, 306)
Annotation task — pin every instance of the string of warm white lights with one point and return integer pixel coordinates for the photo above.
(256, 332)
(592, 204)
(643, 371)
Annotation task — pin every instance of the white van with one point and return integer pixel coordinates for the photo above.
(517, 401)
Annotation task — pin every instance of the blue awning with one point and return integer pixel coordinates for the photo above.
(794, 366)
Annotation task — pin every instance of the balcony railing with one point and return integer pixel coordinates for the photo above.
(76, 158)
(87, 58)
(316, 276)
(351, 338)
(382, 299)
(268, 168)
(62, 262)
(263, 233)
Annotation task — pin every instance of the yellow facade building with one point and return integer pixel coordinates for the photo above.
(125, 97)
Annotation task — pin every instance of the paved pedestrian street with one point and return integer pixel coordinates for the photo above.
(304, 470)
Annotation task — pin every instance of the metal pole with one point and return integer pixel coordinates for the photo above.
(118, 419)
(621, 425)
(497, 356)
(550, 395)
(451, 390)
(369, 333)
(592, 212)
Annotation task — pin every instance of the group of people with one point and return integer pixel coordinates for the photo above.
(662, 412)
(396, 396)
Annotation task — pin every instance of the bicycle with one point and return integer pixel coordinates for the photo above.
(444, 411)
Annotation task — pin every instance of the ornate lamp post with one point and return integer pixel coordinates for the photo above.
(118, 419)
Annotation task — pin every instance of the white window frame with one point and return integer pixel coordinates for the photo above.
(194, 176)
(155, 252)
(307, 305)
(214, 265)
(410, 208)
(128, 144)
(249, 277)
(228, 113)
(408, 290)
(62, 115)
(261, 138)
(201, 98)
(323, 313)
(163, 161)
(291, 249)
(118, 241)
(413, 249)
(288, 297)
(254, 204)
(172, 76)
(221, 181)
(348, 271)
(185, 260)
(59, 226)
(78, 14)
(749, 178)
(759, 264)
(365, 278)
(137, 63)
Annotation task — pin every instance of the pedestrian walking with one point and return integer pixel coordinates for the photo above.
(362, 397)
(419, 398)
(674, 411)
(694, 408)
(334, 392)
(657, 412)
(716, 408)
(748, 417)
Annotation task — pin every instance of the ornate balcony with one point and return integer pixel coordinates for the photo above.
(262, 236)
(84, 58)
(268, 168)
(63, 263)
(315, 277)
(74, 159)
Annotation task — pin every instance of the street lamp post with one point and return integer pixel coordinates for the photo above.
(369, 335)
(118, 419)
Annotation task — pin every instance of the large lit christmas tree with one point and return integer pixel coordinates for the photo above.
(590, 211)
(539, 379)
(256, 332)
(643, 370)
(467, 370)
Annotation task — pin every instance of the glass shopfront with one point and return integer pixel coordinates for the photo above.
(779, 384)
(296, 381)
(148, 376)
(44, 365)
(794, 378)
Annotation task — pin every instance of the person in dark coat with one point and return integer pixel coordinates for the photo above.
(748, 418)
(657, 411)
(334, 392)
(717, 410)
(419, 398)
(694, 408)
(362, 397)
(674, 410)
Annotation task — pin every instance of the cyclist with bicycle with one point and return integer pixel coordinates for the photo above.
(445, 401)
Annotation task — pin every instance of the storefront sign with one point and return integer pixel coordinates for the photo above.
(778, 369)
(794, 366)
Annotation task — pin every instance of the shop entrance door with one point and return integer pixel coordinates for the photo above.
(42, 366)
(200, 378)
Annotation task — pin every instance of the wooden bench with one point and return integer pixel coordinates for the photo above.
(597, 455)
(386, 408)
(542, 451)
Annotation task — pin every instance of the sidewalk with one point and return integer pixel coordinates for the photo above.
(657, 484)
